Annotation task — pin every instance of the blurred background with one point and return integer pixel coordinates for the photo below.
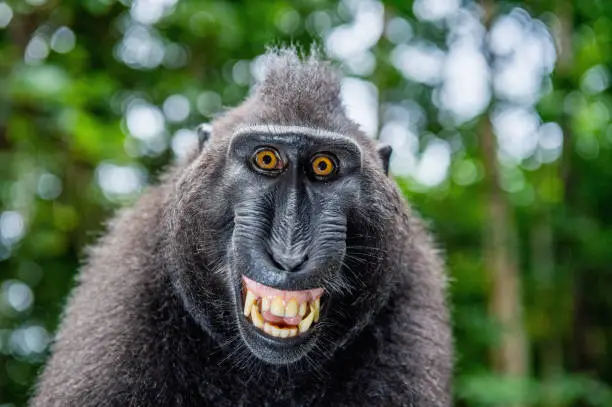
(498, 113)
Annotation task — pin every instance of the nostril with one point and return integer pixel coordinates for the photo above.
(300, 263)
(276, 263)
(287, 262)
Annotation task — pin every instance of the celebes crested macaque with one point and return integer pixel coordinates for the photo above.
(277, 266)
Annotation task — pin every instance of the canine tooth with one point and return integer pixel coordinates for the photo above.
(265, 304)
(248, 302)
(284, 332)
(277, 307)
(306, 322)
(302, 311)
(291, 309)
(317, 309)
(256, 317)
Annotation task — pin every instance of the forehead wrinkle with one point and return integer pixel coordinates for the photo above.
(318, 133)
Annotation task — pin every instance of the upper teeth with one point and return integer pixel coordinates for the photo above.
(317, 309)
(291, 308)
(302, 309)
(277, 306)
(306, 322)
(256, 317)
(248, 303)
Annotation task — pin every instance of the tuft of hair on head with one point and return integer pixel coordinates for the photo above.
(303, 83)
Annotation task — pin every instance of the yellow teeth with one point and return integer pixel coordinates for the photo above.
(291, 309)
(316, 309)
(273, 330)
(308, 313)
(304, 325)
(248, 303)
(277, 307)
(256, 317)
(265, 304)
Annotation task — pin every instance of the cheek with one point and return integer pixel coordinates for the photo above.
(235, 172)
(341, 194)
(244, 189)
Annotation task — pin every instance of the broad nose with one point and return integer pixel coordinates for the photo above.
(290, 262)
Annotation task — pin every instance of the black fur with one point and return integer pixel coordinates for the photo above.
(153, 322)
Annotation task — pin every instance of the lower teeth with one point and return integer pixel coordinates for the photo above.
(279, 332)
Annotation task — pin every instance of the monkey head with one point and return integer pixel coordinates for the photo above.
(275, 226)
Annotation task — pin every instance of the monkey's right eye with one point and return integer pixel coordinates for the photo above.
(268, 160)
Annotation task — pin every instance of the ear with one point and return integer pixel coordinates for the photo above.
(384, 151)
(204, 131)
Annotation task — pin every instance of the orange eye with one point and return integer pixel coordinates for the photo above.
(323, 165)
(268, 159)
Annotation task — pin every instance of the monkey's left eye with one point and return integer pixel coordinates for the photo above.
(268, 159)
(323, 165)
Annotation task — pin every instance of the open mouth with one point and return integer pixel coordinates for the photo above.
(279, 313)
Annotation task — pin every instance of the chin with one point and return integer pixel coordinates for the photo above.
(279, 327)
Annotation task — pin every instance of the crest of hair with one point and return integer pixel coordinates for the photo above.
(304, 84)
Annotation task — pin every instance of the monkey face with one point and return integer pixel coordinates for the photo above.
(288, 202)
(293, 191)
